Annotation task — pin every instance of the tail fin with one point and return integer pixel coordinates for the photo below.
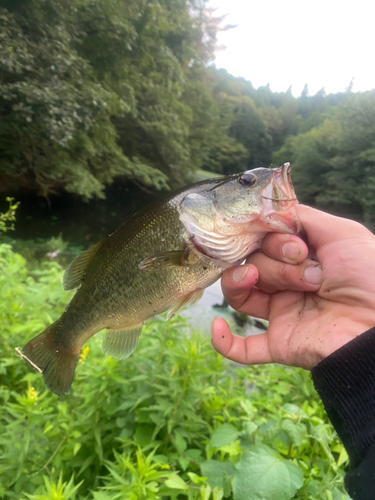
(55, 362)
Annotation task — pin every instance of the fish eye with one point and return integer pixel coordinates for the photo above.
(247, 180)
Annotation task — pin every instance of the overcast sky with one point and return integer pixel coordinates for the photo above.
(293, 42)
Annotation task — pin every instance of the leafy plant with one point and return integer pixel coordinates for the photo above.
(174, 421)
(57, 490)
(8, 216)
(35, 251)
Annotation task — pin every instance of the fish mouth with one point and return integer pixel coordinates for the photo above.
(280, 200)
(283, 187)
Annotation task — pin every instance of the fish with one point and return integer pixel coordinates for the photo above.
(160, 260)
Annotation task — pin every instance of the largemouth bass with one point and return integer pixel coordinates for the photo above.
(161, 259)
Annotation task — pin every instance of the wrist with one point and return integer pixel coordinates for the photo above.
(339, 332)
(344, 381)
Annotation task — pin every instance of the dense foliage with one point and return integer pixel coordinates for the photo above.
(334, 162)
(7, 219)
(99, 89)
(94, 90)
(174, 421)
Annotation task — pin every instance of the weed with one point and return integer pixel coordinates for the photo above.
(174, 421)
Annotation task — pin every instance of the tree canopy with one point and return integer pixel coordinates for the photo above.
(334, 162)
(94, 90)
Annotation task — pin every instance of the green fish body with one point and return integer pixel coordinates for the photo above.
(161, 259)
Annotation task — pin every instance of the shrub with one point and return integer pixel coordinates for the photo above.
(174, 421)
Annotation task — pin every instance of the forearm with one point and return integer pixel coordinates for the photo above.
(345, 381)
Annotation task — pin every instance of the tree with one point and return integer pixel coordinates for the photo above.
(56, 128)
(333, 164)
(305, 91)
(352, 177)
(100, 90)
(310, 154)
(249, 130)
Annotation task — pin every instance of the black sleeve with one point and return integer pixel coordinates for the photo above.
(345, 381)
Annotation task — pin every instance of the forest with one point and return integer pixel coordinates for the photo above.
(93, 92)
(109, 103)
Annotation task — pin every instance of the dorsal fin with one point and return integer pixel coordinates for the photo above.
(74, 273)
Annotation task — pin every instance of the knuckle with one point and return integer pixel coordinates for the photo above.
(285, 272)
(273, 240)
(254, 257)
(236, 302)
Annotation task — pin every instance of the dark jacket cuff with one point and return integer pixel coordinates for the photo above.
(345, 381)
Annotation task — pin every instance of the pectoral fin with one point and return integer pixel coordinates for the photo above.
(188, 300)
(75, 272)
(121, 343)
(165, 260)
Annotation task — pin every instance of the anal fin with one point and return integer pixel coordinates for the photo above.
(121, 343)
(187, 300)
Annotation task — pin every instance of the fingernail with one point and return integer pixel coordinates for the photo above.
(291, 250)
(240, 273)
(313, 275)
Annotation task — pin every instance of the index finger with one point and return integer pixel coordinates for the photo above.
(238, 284)
(287, 248)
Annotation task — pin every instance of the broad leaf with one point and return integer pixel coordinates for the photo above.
(295, 432)
(176, 483)
(262, 475)
(224, 435)
(216, 472)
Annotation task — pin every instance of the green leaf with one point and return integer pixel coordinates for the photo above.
(216, 472)
(217, 494)
(176, 483)
(160, 459)
(295, 432)
(195, 478)
(205, 492)
(249, 428)
(232, 449)
(194, 454)
(181, 444)
(224, 435)
(143, 434)
(343, 457)
(261, 474)
(184, 461)
(100, 495)
(76, 448)
(293, 411)
(269, 430)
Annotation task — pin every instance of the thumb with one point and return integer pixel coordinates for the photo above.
(322, 228)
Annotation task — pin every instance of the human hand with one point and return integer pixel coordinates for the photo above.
(313, 307)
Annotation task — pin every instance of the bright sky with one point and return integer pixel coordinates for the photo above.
(293, 42)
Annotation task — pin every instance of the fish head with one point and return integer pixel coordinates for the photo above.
(229, 220)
